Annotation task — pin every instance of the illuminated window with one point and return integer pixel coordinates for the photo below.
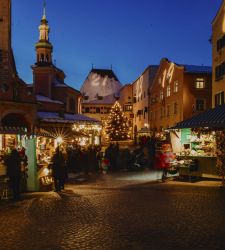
(200, 104)
(219, 99)
(200, 83)
(175, 87)
(161, 95)
(168, 90)
(127, 107)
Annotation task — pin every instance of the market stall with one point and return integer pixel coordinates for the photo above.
(194, 141)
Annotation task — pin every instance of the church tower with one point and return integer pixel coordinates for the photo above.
(43, 46)
(43, 70)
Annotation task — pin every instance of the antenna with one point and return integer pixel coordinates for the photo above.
(92, 66)
(111, 66)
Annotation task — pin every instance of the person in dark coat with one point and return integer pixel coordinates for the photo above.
(13, 163)
(58, 169)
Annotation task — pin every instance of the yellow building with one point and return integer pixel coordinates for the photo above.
(218, 56)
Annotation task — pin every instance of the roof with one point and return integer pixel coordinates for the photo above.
(67, 118)
(212, 118)
(42, 98)
(105, 72)
(197, 69)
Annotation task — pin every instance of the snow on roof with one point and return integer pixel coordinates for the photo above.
(42, 98)
(67, 118)
(197, 69)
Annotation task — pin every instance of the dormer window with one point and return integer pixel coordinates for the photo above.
(86, 97)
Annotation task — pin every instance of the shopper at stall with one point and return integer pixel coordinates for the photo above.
(58, 169)
(13, 163)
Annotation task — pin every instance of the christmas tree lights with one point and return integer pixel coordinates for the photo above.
(117, 126)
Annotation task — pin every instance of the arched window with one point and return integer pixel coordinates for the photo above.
(42, 57)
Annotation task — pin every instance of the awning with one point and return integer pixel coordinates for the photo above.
(211, 118)
(13, 130)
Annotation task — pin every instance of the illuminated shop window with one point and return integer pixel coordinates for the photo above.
(175, 87)
(168, 90)
(200, 83)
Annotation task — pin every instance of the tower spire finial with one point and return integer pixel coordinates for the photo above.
(44, 10)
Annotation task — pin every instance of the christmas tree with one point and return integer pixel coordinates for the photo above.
(117, 126)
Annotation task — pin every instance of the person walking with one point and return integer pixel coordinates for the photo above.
(58, 170)
(13, 163)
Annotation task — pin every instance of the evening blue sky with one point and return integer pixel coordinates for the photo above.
(127, 34)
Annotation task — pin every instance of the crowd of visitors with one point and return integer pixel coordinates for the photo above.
(91, 159)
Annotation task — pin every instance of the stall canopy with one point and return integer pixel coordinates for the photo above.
(13, 130)
(65, 118)
(211, 118)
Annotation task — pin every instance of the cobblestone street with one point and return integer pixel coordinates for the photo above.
(117, 213)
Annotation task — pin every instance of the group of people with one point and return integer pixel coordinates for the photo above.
(16, 170)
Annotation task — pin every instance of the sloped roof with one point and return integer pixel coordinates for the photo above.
(42, 98)
(68, 118)
(197, 69)
(212, 118)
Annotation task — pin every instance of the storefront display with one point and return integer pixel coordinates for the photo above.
(45, 151)
(196, 152)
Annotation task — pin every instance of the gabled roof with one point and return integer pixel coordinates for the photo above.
(212, 118)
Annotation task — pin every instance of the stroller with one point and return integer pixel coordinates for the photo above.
(137, 161)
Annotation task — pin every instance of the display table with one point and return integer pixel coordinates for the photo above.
(205, 166)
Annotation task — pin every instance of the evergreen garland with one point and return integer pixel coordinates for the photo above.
(220, 152)
(117, 126)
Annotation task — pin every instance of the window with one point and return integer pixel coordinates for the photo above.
(87, 110)
(219, 99)
(175, 105)
(168, 110)
(175, 87)
(220, 71)
(200, 104)
(161, 94)
(200, 83)
(127, 107)
(220, 43)
(168, 90)
(161, 112)
(97, 110)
